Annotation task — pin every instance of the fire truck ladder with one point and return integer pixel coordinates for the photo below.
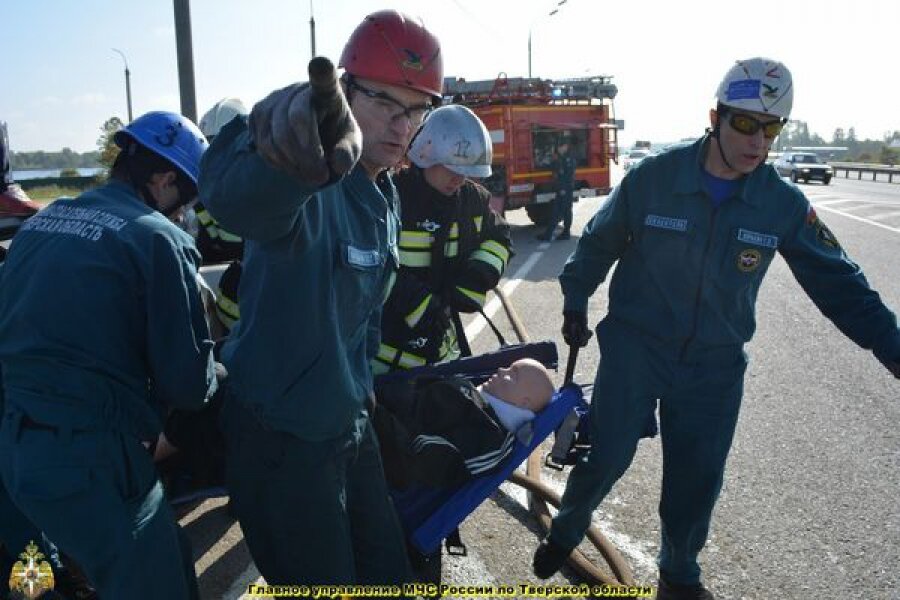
(522, 90)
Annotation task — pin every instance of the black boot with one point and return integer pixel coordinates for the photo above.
(548, 558)
(682, 591)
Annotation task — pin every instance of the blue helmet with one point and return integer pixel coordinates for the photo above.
(169, 135)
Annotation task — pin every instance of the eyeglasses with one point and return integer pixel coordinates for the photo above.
(392, 109)
(747, 125)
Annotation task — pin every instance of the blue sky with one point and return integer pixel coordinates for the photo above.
(61, 79)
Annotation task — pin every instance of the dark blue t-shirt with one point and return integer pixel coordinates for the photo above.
(718, 189)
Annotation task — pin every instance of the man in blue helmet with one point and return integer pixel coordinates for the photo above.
(303, 182)
(693, 231)
(102, 329)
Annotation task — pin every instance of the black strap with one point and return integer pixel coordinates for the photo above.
(493, 327)
(461, 339)
(455, 545)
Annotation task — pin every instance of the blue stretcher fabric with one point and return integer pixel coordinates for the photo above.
(429, 516)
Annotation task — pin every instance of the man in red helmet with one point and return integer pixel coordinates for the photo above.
(304, 182)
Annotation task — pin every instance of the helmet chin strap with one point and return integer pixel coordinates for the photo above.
(715, 134)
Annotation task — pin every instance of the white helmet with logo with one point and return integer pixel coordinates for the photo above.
(220, 115)
(453, 136)
(759, 85)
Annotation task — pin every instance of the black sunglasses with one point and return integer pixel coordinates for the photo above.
(391, 108)
(747, 125)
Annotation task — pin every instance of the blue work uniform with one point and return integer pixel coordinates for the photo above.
(564, 177)
(101, 329)
(681, 307)
(302, 464)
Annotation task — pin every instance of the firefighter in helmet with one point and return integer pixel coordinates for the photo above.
(304, 182)
(215, 244)
(101, 328)
(453, 247)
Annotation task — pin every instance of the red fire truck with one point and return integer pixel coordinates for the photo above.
(526, 118)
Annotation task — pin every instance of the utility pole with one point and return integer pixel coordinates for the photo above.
(127, 83)
(312, 30)
(185, 53)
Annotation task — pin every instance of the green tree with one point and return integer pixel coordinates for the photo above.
(888, 156)
(106, 144)
(838, 138)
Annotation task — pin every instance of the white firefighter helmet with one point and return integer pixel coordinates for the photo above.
(759, 85)
(453, 136)
(220, 115)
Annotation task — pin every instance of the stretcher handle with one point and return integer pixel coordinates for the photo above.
(570, 364)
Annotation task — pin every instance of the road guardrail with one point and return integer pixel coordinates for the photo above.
(860, 168)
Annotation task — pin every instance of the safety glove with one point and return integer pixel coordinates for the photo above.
(575, 329)
(307, 130)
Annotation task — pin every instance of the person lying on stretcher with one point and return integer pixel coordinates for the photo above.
(442, 432)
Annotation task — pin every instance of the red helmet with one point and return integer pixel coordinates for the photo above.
(394, 48)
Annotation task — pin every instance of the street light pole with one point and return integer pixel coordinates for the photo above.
(550, 14)
(127, 83)
(185, 51)
(312, 29)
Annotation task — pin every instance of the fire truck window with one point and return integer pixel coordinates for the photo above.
(546, 141)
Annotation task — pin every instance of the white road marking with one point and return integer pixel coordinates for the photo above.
(879, 216)
(856, 218)
(830, 202)
(475, 327)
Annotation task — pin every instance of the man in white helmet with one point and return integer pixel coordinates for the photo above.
(215, 243)
(453, 247)
(693, 231)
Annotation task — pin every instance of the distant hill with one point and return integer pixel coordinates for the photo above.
(64, 159)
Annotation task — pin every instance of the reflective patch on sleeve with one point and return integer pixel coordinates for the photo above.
(757, 239)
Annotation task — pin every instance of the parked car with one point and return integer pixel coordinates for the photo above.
(803, 165)
(634, 156)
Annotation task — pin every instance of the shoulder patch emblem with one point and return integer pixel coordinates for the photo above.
(824, 235)
(748, 260)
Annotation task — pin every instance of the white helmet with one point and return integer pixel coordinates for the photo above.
(220, 115)
(453, 136)
(758, 85)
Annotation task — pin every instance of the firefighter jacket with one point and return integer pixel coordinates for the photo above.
(689, 272)
(101, 321)
(215, 244)
(452, 251)
(316, 268)
(439, 433)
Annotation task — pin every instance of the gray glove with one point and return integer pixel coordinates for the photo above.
(308, 130)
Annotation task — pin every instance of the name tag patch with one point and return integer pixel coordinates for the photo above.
(363, 258)
(757, 239)
(669, 223)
